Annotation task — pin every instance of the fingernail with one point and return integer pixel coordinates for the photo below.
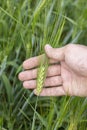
(47, 46)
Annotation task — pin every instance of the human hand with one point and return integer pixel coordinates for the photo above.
(66, 75)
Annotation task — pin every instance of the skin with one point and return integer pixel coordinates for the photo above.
(67, 73)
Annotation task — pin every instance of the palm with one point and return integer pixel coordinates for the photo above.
(73, 83)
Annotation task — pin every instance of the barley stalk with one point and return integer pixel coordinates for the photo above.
(41, 75)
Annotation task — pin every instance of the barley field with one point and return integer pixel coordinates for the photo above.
(25, 27)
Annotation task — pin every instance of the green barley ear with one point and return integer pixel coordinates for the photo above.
(41, 74)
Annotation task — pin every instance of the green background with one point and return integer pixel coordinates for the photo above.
(25, 27)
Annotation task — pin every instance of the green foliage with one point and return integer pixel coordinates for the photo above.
(25, 27)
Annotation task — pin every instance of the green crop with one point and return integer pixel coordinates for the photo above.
(26, 26)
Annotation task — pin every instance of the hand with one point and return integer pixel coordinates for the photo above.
(67, 73)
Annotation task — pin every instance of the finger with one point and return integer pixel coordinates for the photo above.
(51, 81)
(55, 53)
(32, 74)
(34, 62)
(29, 84)
(55, 91)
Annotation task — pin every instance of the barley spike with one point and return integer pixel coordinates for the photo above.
(41, 74)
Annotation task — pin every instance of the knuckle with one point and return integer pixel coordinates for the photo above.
(70, 46)
(54, 81)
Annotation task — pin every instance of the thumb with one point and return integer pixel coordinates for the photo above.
(55, 53)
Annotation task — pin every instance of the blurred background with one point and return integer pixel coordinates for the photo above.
(25, 27)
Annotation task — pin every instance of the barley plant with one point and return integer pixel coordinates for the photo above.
(25, 27)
